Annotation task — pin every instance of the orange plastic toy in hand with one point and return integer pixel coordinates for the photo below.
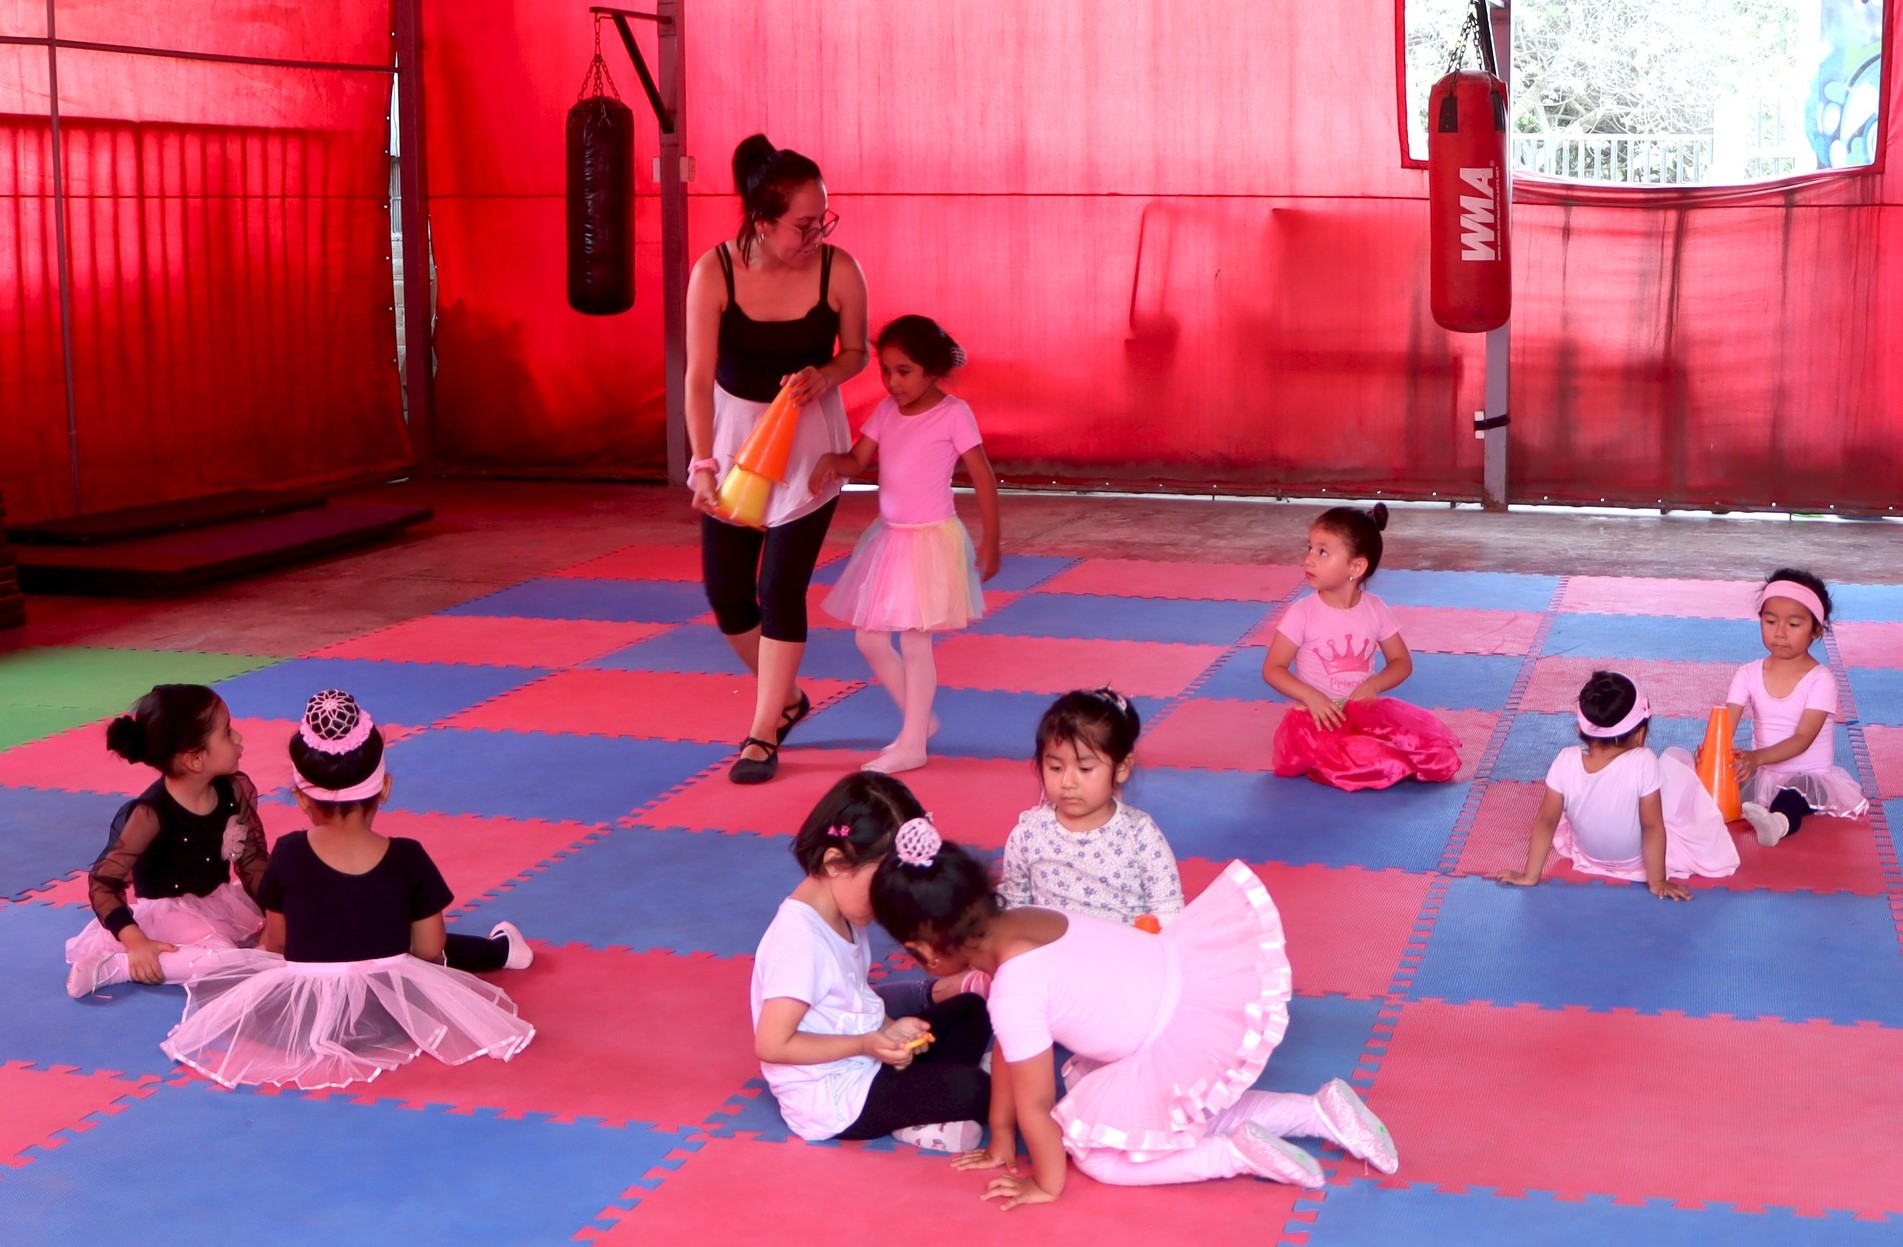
(1148, 922)
(1714, 766)
(760, 465)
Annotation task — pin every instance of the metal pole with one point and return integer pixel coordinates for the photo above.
(1493, 470)
(64, 249)
(674, 234)
(418, 262)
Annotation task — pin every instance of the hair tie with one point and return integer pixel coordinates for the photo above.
(918, 842)
(334, 723)
(1112, 696)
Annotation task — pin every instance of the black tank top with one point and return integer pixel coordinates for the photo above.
(755, 354)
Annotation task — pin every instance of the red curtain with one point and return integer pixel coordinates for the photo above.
(1179, 246)
(228, 246)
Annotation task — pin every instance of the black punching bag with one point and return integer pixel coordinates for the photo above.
(600, 206)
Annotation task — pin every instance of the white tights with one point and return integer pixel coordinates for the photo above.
(1280, 1113)
(910, 675)
(182, 966)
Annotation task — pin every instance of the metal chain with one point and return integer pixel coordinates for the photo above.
(597, 77)
(1467, 41)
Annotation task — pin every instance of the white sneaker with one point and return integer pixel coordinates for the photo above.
(955, 1137)
(521, 956)
(1770, 827)
(1276, 1159)
(1354, 1126)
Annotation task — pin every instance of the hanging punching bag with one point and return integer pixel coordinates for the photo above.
(600, 206)
(1471, 269)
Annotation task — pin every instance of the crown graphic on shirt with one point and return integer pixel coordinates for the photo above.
(1339, 661)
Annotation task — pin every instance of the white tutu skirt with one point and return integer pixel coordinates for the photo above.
(904, 577)
(1225, 1009)
(1833, 791)
(227, 918)
(316, 1024)
(1697, 841)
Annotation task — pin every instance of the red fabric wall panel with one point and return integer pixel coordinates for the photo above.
(1179, 245)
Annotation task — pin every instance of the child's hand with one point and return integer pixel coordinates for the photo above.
(1015, 1189)
(1744, 764)
(706, 489)
(1666, 890)
(1363, 693)
(142, 958)
(1327, 712)
(823, 474)
(891, 1044)
(987, 1158)
(1518, 878)
(988, 560)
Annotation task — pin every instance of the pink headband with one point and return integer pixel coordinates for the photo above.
(1640, 712)
(1797, 593)
(362, 791)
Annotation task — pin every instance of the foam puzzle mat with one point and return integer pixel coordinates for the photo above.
(1573, 1064)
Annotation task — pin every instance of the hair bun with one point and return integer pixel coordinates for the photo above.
(749, 158)
(1379, 514)
(125, 736)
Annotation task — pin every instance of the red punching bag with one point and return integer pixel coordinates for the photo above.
(1471, 273)
(600, 205)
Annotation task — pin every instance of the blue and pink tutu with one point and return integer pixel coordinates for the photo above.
(906, 577)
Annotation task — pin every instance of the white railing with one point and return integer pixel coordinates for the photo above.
(1626, 159)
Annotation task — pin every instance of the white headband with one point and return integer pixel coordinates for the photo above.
(1797, 593)
(1640, 712)
(369, 787)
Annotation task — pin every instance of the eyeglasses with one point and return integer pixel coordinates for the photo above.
(813, 233)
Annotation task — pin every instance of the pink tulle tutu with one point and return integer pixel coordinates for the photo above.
(1833, 792)
(1225, 1009)
(904, 577)
(1696, 839)
(1384, 741)
(224, 918)
(315, 1024)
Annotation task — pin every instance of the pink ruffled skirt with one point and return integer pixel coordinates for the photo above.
(1697, 841)
(1225, 1009)
(1383, 742)
(225, 918)
(904, 577)
(312, 1024)
(1833, 791)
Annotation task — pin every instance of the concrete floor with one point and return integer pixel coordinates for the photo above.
(491, 534)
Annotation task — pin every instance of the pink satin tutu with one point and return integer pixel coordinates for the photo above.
(1383, 742)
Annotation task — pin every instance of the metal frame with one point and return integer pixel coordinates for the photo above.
(669, 102)
(412, 171)
(1496, 52)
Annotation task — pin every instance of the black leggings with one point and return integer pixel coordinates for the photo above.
(758, 579)
(1791, 804)
(477, 954)
(943, 1083)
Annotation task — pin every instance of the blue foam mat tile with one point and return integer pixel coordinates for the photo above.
(1439, 681)
(1613, 637)
(620, 601)
(642, 888)
(1020, 572)
(46, 835)
(1326, 1037)
(1534, 740)
(1879, 603)
(1365, 1212)
(1238, 677)
(1719, 953)
(1263, 818)
(1088, 616)
(117, 1028)
(1500, 591)
(582, 779)
(973, 723)
(323, 1171)
(830, 654)
(1879, 694)
(412, 693)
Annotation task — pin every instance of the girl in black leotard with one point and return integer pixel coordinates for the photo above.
(765, 310)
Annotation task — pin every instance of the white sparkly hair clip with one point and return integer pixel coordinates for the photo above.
(918, 842)
(1112, 696)
(334, 722)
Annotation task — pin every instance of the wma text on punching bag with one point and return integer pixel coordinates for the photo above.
(1471, 271)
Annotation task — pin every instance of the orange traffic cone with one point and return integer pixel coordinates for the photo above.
(1714, 766)
(760, 465)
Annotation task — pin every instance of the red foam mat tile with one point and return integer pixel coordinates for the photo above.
(1059, 664)
(1464, 630)
(74, 891)
(975, 801)
(40, 1102)
(1865, 643)
(1886, 759)
(652, 705)
(905, 1196)
(77, 760)
(1758, 1113)
(622, 1036)
(477, 854)
(494, 642)
(1347, 928)
(1641, 595)
(1210, 582)
(640, 562)
(1475, 729)
(1829, 855)
(1214, 735)
(1680, 689)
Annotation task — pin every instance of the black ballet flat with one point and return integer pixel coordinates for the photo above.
(791, 716)
(747, 770)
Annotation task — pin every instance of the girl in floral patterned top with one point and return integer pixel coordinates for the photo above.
(1082, 850)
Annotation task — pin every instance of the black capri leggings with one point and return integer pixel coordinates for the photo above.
(758, 579)
(943, 1083)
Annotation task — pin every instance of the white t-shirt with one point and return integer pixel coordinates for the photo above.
(1335, 649)
(801, 958)
(1775, 719)
(1095, 989)
(1603, 806)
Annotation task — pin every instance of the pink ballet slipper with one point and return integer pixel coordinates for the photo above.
(1353, 1125)
(1276, 1159)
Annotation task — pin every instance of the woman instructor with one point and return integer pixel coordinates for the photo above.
(775, 306)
